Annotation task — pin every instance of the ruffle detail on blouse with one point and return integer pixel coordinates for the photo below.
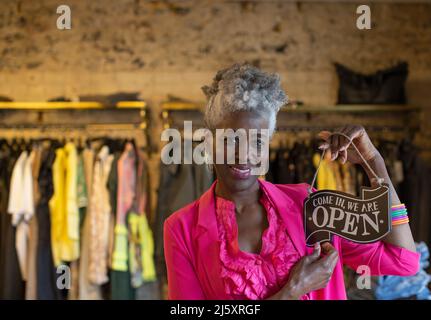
(248, 275)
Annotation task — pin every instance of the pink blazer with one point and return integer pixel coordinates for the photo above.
(192, 245)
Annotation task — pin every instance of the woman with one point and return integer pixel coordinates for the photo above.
(244, 238)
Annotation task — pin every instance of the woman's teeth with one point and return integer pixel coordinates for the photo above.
(240, 170)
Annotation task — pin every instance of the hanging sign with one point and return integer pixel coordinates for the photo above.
(361, 219)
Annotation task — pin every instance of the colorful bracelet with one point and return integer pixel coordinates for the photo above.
(399, 214)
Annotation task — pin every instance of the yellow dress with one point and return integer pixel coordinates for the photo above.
(64, 206)
(325, 177)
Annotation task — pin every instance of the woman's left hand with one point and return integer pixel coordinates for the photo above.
(341, 147)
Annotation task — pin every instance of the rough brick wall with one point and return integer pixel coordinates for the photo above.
(174, 47)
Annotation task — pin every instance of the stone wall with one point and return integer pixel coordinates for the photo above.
(174, 47)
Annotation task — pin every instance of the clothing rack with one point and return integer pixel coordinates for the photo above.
(379, 129)
(74, 118)
(293, 118)
(91, 172)
(50, 105)
(39, 112)
(345, 108)
(168, 107)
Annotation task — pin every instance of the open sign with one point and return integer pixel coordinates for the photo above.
(361, 219)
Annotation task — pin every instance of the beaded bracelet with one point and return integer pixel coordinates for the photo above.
(399, 214)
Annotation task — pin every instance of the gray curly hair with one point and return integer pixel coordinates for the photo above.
(243, 87)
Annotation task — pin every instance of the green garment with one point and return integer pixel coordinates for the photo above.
(81, 190)
(141, 250)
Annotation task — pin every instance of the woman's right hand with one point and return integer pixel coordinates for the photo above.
(310, 273)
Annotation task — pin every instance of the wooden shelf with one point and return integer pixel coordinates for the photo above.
(182, 106)
(54, 105)
(186, 106)
(351, 109)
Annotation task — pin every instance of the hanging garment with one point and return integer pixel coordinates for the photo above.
(135, 249)
(100, 214)
(293, 165)
(147, 244)
(82, 199)
(81, 190)
(64, 206)
(141, 243)
(281, 170)
(271, 174)
(73, 290)
(46, 271)
(179, 185)
(143, 187)
(31, 284)
(120, 281)
(141, 250)
(143, 207)
(87, 290)
(325, 176)
(286, 166)
(125, 197)
(11, 282)
(56, 205)
(112, 185)
(72, 210)
(121, 287)
(134, 227)
(390, 153)
(21, 206)
(120, 275)
(415, 191)
(148, 291)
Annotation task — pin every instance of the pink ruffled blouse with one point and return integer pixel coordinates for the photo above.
(248, 275)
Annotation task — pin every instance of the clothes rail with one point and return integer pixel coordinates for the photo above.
(379, 128)
(366, 108)
(173, 113)
(95, 115)
(50, 105)
(72, 126)
(361, 109)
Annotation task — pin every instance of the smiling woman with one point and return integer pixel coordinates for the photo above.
(244, 238)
